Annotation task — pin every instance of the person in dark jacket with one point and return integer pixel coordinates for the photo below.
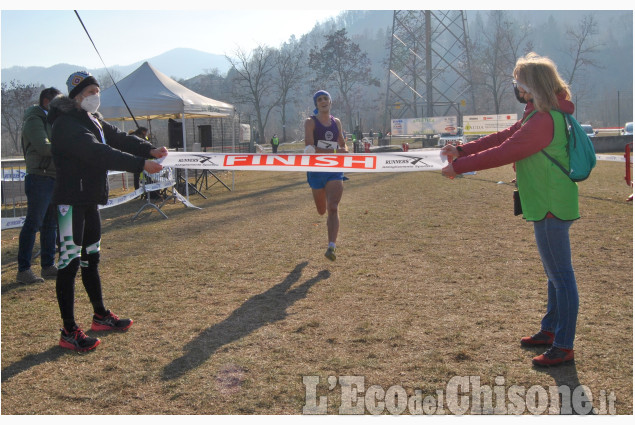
(84, 148)
(38, 187)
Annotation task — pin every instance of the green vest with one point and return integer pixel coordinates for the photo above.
(274, 140)
(543, 187)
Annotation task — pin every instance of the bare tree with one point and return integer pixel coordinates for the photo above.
(16, 98)
(290, 73)
(253, 82)
(213, 72)
(499, 44)
(105, 79)
(581, 46)
(340, 61)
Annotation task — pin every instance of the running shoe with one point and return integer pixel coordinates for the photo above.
(330, 253)
(49, 272)
(110, 322)
(28, 277)
(554, 357)
(77, 340)
(541, 338)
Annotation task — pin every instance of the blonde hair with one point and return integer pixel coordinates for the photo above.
(540, 75)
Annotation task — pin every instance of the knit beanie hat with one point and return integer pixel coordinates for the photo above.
(77, 81)
(316, 95)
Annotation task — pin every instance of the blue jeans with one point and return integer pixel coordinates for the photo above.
(552, 238)
(40, 217)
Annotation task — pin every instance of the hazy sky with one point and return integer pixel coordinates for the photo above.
(41, 37)
(48, 37)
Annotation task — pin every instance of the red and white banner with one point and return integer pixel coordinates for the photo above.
(429, 160)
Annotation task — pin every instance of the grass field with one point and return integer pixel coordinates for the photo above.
(234, 303)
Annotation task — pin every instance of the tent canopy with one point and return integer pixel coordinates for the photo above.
(150, 94)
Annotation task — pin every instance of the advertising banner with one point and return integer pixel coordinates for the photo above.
(423, 126)
(245, 133)
(487, 124)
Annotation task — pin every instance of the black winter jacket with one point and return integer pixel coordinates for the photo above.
(81, 158)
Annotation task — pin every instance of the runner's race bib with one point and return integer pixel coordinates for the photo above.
(324, 144)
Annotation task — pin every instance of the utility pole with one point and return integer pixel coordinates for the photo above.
(429, 63)
(618, 109)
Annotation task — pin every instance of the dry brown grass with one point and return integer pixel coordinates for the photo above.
(235, 303)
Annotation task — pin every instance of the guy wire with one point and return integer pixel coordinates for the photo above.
(106, 68)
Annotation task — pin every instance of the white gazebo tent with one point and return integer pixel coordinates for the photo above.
(150, 94)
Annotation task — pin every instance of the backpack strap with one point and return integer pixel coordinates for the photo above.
(567, 133)
(552, 159)
(529, 116)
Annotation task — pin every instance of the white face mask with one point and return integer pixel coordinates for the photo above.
(91, 103)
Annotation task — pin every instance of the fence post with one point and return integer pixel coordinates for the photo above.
(627, 156)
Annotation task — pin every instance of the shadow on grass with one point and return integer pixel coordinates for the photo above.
(11, 287)
(258, 311)
(573, 400)
(32, 360)
(15, 285)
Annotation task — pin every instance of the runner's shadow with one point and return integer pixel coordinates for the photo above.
(32, 360)
(258, 311)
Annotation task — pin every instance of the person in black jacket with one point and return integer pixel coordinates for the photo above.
(84, 148)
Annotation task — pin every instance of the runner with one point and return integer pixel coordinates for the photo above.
(323, 134)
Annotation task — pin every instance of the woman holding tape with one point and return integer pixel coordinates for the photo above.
(323, 134)
(548, 197)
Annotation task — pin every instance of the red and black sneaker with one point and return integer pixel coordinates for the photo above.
(554, 357)
(110, 322)
(77, 340)
(541, 338)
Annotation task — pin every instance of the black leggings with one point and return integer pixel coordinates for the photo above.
(80, 239)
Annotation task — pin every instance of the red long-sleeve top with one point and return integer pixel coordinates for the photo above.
(512, 144)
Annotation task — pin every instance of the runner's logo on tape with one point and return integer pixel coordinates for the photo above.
(408, 163)
(201, 159)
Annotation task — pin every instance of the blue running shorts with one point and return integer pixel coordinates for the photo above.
(318, 180)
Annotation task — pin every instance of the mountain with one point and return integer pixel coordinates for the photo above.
(185, 63)
(180, 63)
